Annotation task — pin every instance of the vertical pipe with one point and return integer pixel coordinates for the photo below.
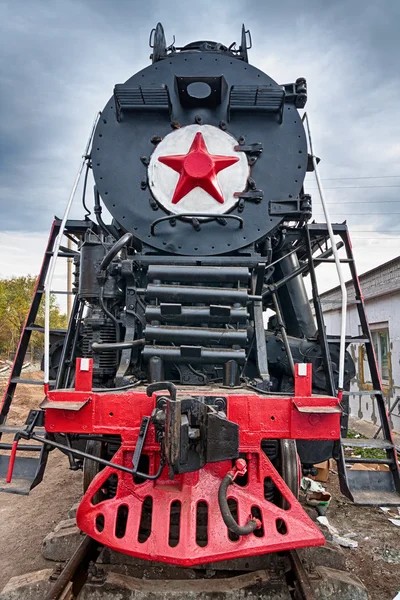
(56, 249)
(69, 282)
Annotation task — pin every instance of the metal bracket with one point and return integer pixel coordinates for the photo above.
(144, 427)
(251, 196)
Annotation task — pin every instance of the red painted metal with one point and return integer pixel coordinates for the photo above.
(260, 417)
(198, 168)
(190, 489)
(12, 461)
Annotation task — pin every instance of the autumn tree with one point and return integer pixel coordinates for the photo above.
(16, 295)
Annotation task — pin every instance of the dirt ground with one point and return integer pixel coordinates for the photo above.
(25, 520)
(376, 561)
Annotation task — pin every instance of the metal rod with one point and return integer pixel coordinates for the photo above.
(81, 454)
(69, 281)
(102, 461)
(56, 249)
(335, 252)
(102, 347)
(283, 332)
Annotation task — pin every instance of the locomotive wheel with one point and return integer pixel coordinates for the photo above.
(288, 467)
(90, 467)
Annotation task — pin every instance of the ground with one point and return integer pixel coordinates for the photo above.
(376, 561)
(25, 520)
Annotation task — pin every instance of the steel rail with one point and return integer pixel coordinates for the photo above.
(302, 580)
(79, 558)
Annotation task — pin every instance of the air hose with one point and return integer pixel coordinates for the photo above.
(232, 525)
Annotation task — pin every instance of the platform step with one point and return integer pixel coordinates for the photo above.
(373, 488)
(367, 443)
(24, 474)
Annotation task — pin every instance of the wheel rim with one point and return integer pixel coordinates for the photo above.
(289, 468)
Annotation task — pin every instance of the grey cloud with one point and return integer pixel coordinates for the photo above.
(60, 61)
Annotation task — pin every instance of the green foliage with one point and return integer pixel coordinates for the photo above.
(16, 295)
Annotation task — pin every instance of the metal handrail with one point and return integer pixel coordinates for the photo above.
(335, 252)
(182, 216)
(57, 244)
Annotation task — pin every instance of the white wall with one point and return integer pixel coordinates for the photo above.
(380, 309)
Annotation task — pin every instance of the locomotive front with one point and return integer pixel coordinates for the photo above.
(189, 405)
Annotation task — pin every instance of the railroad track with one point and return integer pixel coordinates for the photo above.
(71, 579)
(73, 576)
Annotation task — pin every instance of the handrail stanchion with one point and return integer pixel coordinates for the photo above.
(53, 261)
(335, 252)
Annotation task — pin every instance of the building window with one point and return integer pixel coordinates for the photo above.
(380, 339)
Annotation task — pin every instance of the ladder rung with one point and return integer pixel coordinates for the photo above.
(63, 254)
(62, 292)
(40, 328)
(26, 381)
(351, 340)
(364, 393)
(332, 260)
(339, 302)
(16, 428)
(367, 443)
(22, 447)
(369, 461)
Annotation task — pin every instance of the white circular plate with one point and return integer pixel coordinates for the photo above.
(202, 184)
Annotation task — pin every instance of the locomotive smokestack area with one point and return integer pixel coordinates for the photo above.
(191, 420)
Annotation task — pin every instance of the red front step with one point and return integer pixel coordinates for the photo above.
(189, 489)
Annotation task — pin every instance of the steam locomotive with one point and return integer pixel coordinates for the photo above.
(191, 415)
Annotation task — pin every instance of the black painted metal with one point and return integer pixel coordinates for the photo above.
(144, 108)
(377, 487)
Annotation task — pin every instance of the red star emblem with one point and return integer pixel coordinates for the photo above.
(198, 168)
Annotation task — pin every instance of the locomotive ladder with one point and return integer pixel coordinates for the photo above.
(27, 470)
(19, 474)
(361, 486)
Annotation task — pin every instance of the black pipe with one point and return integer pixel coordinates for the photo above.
(97, 211)
(112, 253)
(98, 347)
(108, 313)
(293, 299)
(229, 521)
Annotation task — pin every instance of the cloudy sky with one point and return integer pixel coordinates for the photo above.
(60, 60)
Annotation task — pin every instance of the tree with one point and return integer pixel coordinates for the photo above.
(16, 294)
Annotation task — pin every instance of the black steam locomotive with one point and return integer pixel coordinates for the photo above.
(194, 379)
